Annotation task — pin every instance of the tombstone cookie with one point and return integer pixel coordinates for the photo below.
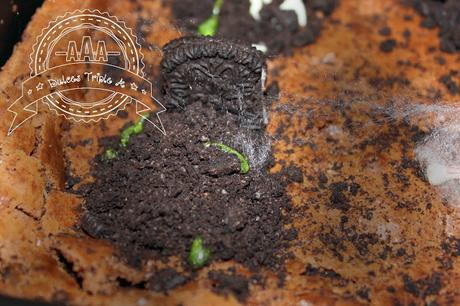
(227, 75)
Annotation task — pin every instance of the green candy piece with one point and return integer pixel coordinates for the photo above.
(134, 129)
(211, 24)
(199, 255)
(244, 163)
(110, 154)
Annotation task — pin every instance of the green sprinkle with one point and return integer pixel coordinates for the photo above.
(134, 129)
(199, 255)
(217, 6)
(244, 163)
(110, 154)
(211, 24)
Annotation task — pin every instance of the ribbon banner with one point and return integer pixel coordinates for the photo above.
(86, 66)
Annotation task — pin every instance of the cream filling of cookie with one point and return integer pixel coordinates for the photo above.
(256, 6)
(261, 47)
(298, 7)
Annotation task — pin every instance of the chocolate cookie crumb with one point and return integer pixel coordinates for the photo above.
(224, 283)
(442, 14)
(430, 285)
(388, 45)
(449, 82)
(338, 199)
(165, 280)
(385, 31)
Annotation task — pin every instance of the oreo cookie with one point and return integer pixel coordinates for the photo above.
(227, 75)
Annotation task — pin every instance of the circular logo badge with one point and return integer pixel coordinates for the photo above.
(86, 66)
(103, 39)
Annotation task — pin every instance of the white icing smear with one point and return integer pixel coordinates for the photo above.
(288, 5)
(256, 7)
(298, 7)
(261, 47)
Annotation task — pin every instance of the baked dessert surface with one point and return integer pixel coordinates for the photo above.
(372, 230)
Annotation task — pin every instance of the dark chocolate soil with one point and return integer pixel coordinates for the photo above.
(161, 192)
(277, 29)
(445, 15)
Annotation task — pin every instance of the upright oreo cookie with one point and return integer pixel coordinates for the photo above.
(228, 75)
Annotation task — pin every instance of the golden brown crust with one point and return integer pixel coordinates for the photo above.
(38, 239)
